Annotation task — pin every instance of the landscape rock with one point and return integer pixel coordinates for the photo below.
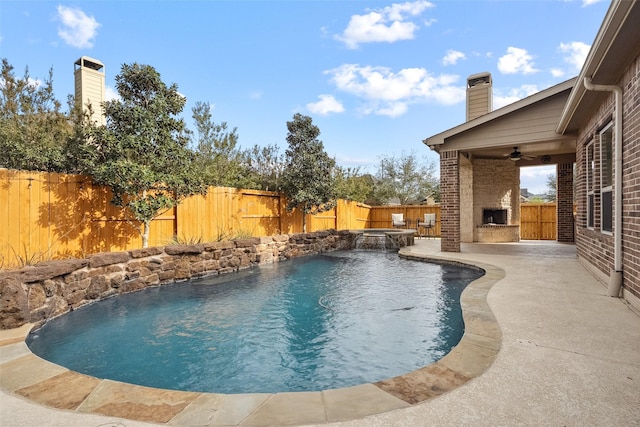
(107, 258)
(38, 293)
(184, 249)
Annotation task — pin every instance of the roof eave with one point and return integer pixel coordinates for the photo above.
(434, 142)
(602, 49)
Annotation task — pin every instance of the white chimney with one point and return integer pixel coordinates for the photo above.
(479, 95)
(89, 82)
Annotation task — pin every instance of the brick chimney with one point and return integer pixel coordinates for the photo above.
(479, 95)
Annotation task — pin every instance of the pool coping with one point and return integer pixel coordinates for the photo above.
(28, 376)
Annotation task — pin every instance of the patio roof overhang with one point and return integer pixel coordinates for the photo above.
(529, 124)
(612, 51)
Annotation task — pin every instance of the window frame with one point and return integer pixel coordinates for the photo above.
(606, 176)
(590, 183)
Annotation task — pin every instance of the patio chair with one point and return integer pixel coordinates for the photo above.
(428, 224)
(397, 220)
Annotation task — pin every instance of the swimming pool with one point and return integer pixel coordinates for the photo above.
(309, 324)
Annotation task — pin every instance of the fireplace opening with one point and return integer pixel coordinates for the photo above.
(494, 216)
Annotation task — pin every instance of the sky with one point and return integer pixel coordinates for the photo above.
(376, 77)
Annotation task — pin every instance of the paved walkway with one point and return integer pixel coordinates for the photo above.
(569, 356)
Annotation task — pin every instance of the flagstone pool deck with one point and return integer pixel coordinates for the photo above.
(543, 345)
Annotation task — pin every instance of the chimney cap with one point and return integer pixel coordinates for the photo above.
(88, 62)
(479, 79)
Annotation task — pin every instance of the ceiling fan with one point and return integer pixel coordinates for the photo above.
(517, 155)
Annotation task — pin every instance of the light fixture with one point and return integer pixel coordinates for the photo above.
(515, 156)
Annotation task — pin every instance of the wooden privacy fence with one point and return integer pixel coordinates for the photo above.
(380, 216)
(49, 216)
(538, 221)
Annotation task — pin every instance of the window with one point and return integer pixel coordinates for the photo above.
(606, 178)
(590, 168)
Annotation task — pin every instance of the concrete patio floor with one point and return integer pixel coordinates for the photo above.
(569, 356)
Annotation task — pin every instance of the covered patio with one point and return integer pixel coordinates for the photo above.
(480, 164)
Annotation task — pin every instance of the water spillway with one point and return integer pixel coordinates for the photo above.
(389, 239)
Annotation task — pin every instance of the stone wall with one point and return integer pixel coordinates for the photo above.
(37, 293)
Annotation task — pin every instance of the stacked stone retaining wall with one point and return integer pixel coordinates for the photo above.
(37, 293)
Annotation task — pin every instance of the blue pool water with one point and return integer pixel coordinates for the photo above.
(314, 323)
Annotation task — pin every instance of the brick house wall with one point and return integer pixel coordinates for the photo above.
(564, 198)
(631, 179)
(450, 204)
(596, 247)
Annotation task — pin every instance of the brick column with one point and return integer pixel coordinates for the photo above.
(450, 201)
(564, 200)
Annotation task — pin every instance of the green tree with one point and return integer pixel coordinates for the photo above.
(551, 188)
(142, 152)
(33, 129)
(307, 179)
(406, 178)
(265, 167)
(217, 157)
(80, 151)
(350, 184)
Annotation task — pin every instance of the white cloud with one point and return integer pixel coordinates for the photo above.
(256, 94)
(515, 61)
(394, 109)
(534, 178)
(326, 105)
(586, 3)
(389, 24)
(110, 94)
(78, 29)
(388, 93)
(429, 22)
(35, 83)
(452, 57)
(513, 95)
(557, 72)
(576, 53)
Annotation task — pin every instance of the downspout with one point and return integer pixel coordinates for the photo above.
(615, 280)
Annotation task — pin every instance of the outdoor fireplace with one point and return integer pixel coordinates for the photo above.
(494, 216)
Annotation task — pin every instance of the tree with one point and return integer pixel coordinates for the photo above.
(406, 178)
(265, 166)
(32, 127)
(307, 179)
(141, 152)
(551, 188)
(217, 157)
(352, 185)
